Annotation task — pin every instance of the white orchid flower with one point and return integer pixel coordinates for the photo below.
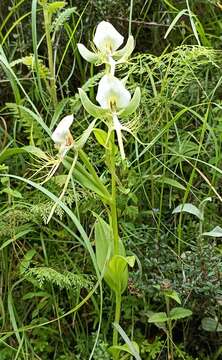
(112, 93)
(107, 40)
(62, 136)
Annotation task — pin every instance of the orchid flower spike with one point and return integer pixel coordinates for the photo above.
(61, 135)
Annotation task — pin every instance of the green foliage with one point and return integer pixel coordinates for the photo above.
(32, 130)
(62, 18)
(65, 280)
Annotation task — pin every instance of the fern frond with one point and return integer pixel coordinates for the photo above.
(29, 61)
(62, 18)
(65, 280)
(30, 126)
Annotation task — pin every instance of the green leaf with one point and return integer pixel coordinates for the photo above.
(101, 137)
(88, 180)
(36, 152)
(31, 295)
(171, 182)
(16, 237)
(117, 273)
(104, 242)
(24, 265)
(55, 6)
(216, 232)
(125, 348)
(114, 267)
(92, 109)
(179, 15)
(131, 344)
(86, 134)
(158, 317)
(87, 54)
(189, 208)
(173, 295)
(11, 192)
(133, 105)
(179, 313)
(212, 325)
(130, 260)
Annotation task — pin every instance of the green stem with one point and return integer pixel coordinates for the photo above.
(114, 221)
(47, 22)
(170, 333)
(117, 319)
(114, 224)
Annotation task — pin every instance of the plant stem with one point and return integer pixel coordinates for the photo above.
(170, 333)
(114, 224)
(117, 319)
(113, 210)
(47, 22)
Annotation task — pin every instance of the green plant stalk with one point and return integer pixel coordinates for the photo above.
(169, 333)
(114, 221)
(47, 23)
(117, 320)
(114, 224)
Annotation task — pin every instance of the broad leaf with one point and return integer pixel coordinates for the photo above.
(216, 232)
(117, 273)
(212, 325)
(101, 137)
(179, 313)
(171, 182)
(189, 208)
(158, 317)
(173, 295)
(104, 242)
(125, 348)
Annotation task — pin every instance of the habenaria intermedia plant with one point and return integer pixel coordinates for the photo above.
(115, 102)
(115, 106)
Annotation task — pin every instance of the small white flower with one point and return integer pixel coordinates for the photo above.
(112, 94)
(107, 39)
(62, 133)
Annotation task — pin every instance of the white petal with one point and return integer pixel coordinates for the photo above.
(107, 38)
(111, 89)
(60, 133)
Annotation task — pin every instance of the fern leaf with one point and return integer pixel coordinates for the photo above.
(62, 18)
(65, 280)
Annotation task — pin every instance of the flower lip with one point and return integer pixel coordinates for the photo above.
(60, 134)
(112, 94)
(107, 39)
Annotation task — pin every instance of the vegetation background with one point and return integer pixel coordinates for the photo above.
(45, 272)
